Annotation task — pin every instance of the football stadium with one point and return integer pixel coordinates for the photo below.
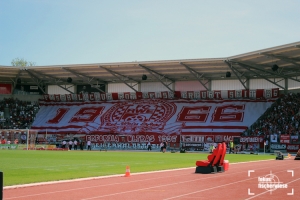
(103, 129)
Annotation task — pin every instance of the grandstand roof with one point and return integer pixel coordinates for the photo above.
(259, 64)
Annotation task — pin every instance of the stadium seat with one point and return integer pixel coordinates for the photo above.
(209, 166)
(220, 163)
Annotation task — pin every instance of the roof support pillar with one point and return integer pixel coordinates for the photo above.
(122, 78)
(197, 75)
(160, 78)
(249, 69)
(235, 73)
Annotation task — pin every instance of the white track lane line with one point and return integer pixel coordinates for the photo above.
(83, 179)
(175, 197)
(268, 191)
(118, 193)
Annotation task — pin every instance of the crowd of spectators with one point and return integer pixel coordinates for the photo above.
(283, 117)
(17, 114)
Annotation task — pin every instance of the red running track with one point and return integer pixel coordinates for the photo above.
(236, 183)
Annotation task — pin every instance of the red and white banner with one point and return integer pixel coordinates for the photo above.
(209, 139)
(193, 95)
(292, 147)
(294, 138)
(136, 138)
(147, 116)
(252, 139)
(193, 138)
(285, 139)
(202, 138)
(5, 88)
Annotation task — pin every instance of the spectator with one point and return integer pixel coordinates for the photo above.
(75, 144)
(236, 148)
(211, 148)
(231, 145)
(282, 118)
(70, 144)
(246, 146)
(81, 145)
(267, 145)
(254, 147)
(164, 146)
(149, 146)
(64, 144)
(89, 145)
(161, 146)
(21, 113)
(3, 141)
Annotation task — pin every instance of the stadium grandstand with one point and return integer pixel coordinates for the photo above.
(251, 98)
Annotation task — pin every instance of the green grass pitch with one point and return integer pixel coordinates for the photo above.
(23, 167)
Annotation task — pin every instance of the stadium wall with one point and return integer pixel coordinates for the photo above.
(54, 89)
(154, 87)
(120, 87)
(21, 97)
(189, 85)
(294, 87)
(227, 85)
(294, 84)
(262, 83)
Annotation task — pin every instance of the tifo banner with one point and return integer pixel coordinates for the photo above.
(205, 95)
(148, 116)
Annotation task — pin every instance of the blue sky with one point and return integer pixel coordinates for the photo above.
(59, 32)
